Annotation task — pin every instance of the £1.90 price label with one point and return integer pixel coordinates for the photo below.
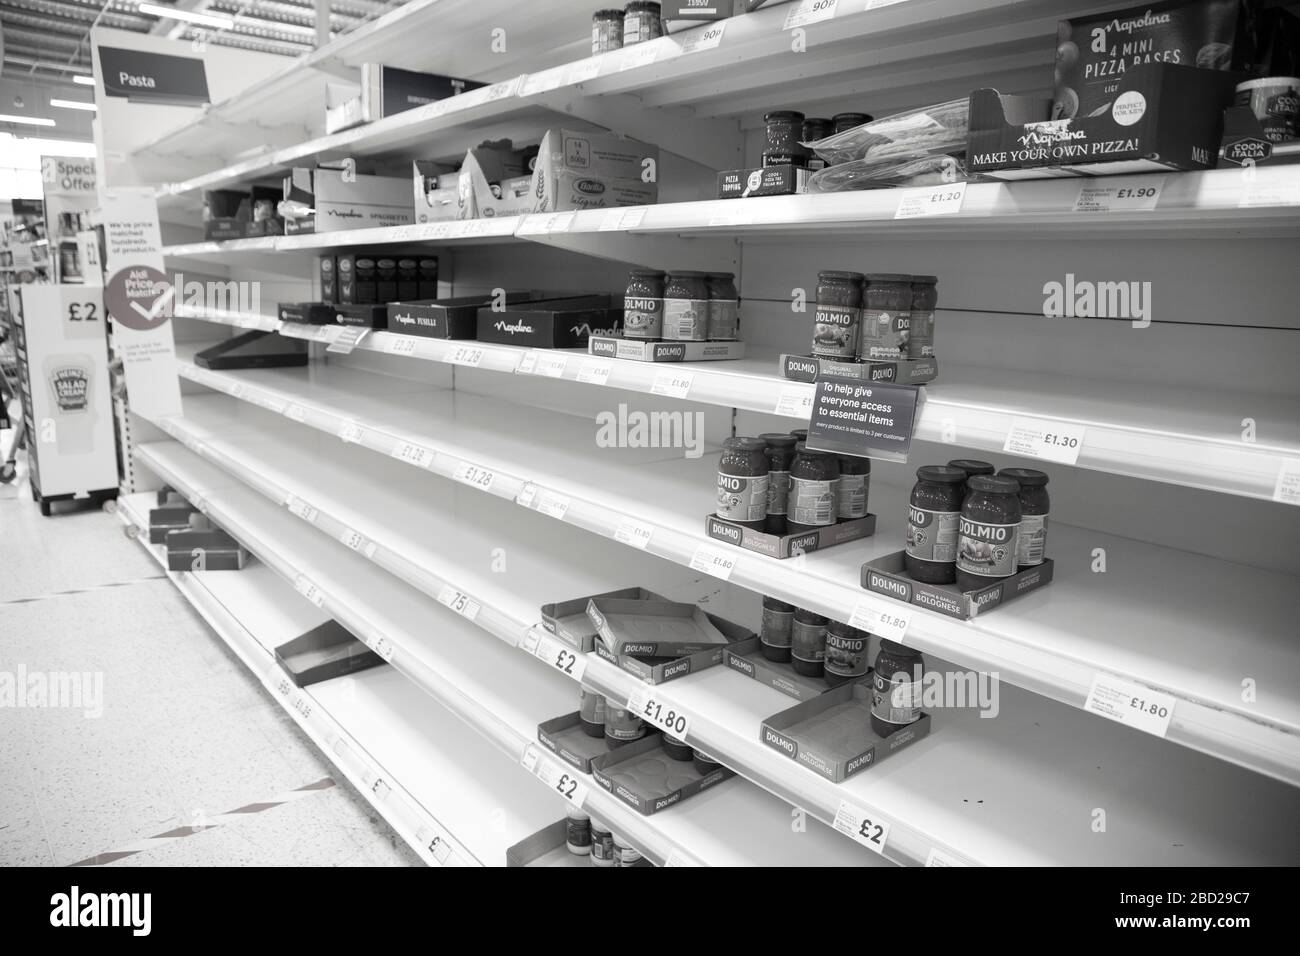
(565, 781)
(564, 659)
(647, 705)
(460, 602)
(1128, 703)
(713, 561)
(473, 475)
(883, 620)
(413, 454)
(869, 829)
(672, 384)
(1051, 441)
(1139, 195)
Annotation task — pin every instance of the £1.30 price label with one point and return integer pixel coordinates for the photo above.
(1049, 440)
(1128, 703)
(649, 706)
(869, 829)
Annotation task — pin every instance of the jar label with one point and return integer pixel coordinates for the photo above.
(895, 700)
(986, 549)
(724, 319)
(932, 535)
(1031, 542)
(811, 502)
(920, 343)
(835, 331)
(808, 641)
(851, 496)
(777, 627)
(885, 334)
(742, 498)
(686, 320)
(622, 724)
(846, 655)
(778, 491)
(643, 317)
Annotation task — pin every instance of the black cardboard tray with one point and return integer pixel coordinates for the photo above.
(659, 670)
(887, 575)
(806, 368)
(653, 628)
(564, 737)
(308, 313)
(628, 772)
(323, 653)
(568, 621)
(857, 751)
(220, 552)
(747, 658)
(787, 545)
(253, 349)
(547, 847)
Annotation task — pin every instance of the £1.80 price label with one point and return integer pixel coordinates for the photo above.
(672, 384)
(713, 561)
(882, 620)
(647, 705)
(869, 829)
(1128, 703)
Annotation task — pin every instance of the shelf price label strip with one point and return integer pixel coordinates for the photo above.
(649, 704)
(865, 827)
(555, 654)
(1128, 703)
(887, 620)
(566, 781)
(1056, 441)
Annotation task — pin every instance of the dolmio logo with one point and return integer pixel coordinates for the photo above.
(779, 742)
(886, 585)
(740, 664)
(857, 763)
(724, 531)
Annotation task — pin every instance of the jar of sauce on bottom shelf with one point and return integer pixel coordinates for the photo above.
(577, 831)
(686, 307)
(933, 514)
(776, 633)
(846, 653)
(886, 317)
(895, 688)
(1035, 509)
(987, 531)
(724, 307)
(925, 299)
(808, 643)
(853, 487)
(814, 477)
(837, 317)
(602, 845)
(743, 482)
(643, 305)
(704, 763)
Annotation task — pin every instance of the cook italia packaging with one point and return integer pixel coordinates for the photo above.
(560, 323)
(590, 170)
(1259, 130)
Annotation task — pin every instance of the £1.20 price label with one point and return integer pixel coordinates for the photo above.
(942, 200)
(649, 706)
(1049, 440)
(1128, 703)
(867, 828)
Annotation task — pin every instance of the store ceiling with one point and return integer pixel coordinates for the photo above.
(50, 39)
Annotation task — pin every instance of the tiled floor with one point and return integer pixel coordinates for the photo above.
(185, 732)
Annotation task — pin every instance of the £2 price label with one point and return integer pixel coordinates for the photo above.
(564, 659)
(867, 828)
(565, 781)
(1128, 703)
(649, 706)
(1049, 440)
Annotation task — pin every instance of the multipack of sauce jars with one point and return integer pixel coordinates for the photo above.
(969, 526)
(681, 306)
(881, 316)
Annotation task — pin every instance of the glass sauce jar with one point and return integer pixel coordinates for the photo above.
(886, 317)
(933, 515)
(724, 307)
(783, 130)
(925, 299)
(1035, 509)
(643, 305)
(813, 479)
(837, 318)
(987, 530)
(686, 307)
(808, 643)
(743, 481)
(816, 128)
(895, 688)
(642, 21)
(606, 31)
(854, 484)
(846, 653)
(776, 632)
(847, 121)
(780, 453)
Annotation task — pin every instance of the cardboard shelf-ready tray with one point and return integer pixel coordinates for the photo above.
(831, 734)
(564, 737)
(806, 368)
(191, 549)
(787, 545)
(654, 350)
(327, 651)
(653, 628)
(546, 847)
(888, 575)
(568, 620)
(642, 775)
(747, 658)
(659, 670)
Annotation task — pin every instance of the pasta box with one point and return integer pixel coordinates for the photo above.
(453, 318)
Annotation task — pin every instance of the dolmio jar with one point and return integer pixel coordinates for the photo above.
(1035, 508)
(643, 306)
(933, 514)
(743, 481)
(776, 632)
(886, 317)
(724, 307)
(987, 531)
(686, 307)
(838, 315)
(780, 455)
(846, 653)
(852, 488)
(925, 299)
(814, 476)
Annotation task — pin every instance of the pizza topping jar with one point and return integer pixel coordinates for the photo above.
(895, 688)
(987, 530)
(925, 299)
(838, 315)
(1035, 508)
(783, 129)
(686, 307)
(854, 483)
(815, 128)
(847, 121)
(932, 518)
(775, 633)
(642, 21)
(846, 653)
(808, 643)
(643, 306)
(972, 467)
(606, 31)
(743, 482)
(724, 307)
(780, 454)
(886, 317)
(813, 479)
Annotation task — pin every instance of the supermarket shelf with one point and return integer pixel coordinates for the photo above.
(1195, 444)
(407, 519)
(486, 683)
(1153, 625)
(460, 232)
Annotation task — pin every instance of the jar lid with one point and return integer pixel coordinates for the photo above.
(839, 627)
(808, 616)
(726, 276)
(744, 444)
(925, 280)
(1266, 81)
(573, 813)
(897, 650)
(943, 474)
(700, 755)
(845, 117)
(779, 440)
(799, 433)
(687, 274)
(782, 115)
(888, 277)
(972, 466)
(642, 5)
(994, 484)
(817, 119)
(852, 464)
(1027, 477)
(607, 14)
(776, 604)
(803, 449)
(653, 273)
(835, 276)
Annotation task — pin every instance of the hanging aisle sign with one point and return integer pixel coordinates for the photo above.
(138, 297)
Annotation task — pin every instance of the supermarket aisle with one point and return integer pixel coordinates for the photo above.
(171, 730)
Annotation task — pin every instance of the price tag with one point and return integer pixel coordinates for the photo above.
(1120, 700)
(269, 403)
(351, 432)
(1136, 195)
(460, 602)
(565, 781)
(303, 510)
(706, 38)
(713, 561)
(634, 533)
(649, 706)
(887, 621)
(595, 373)
(1039, 438)
(564, 659)
(942, 200)
(527, 362)
(307, 588)
(869, 829)
(795, 401)
(413, 454)
(245, 321)
(1287, 489)
(612, 221)
(632, 217)
(877, 4)
(353, 539)
(677, 858)
(473, 475)
(638, 55)
(939, 858)
(543, 82)
(583, 70)
(1269, 194)
(553, 505)
(295, 412)
(527, 494)
(346, 341)
(809, 11)
(560, 222)
(533, 225)
(673, 384)
(552, 366)
(399, 344)
(469, 355)
(499, 91)
(438, 844)
(384, 648)
(236, 390)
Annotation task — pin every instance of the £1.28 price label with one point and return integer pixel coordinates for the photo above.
(1128, 703)
(474, 475)
(867, 828)
(649, 706)
(1049, 440)
(413, 454)
(399, 344)
(469, 355)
